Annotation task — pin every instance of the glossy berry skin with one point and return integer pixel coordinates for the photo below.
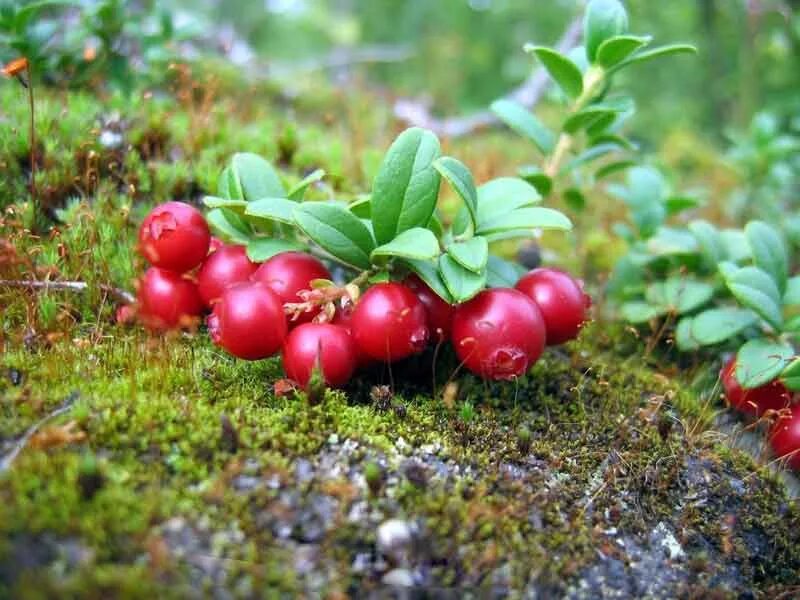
(248, 321)
(755, 401)
(226, 266)
(215, 244)
(498, 334)
(784, 438)
(174, 236)
(390, 323)
(288, 273)
(324, 344)
(344, 318)
(167, 300)
(560, 299)
(439, 312)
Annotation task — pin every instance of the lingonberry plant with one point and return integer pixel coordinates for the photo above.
(588, 143)
(413, 280)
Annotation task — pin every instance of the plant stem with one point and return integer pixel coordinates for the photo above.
(75, 286)
(32, 136)
(592, 80)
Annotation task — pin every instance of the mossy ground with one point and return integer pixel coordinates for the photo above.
(181, 472)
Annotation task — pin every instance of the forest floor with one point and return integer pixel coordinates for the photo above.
(158, 466)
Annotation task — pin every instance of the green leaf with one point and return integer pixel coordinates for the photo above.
(232, 204)
(504, 194)
(458, 175)
(684, 339)
(590, 115)
(616, 49)
(563, 71)
(255, 176)
(273, 209)
(604, 19)
(298, 191)
(521, 120)
(436, 226)
(526, 218)
(756, 290)
(669, 241)
(537, 178)
(792, 294)
(769, 252)
(708, 239)
(589, 155)
(640, 312)
(760, 361)
(646, 55)
(678, 294)
(228, 225)
(471, 254)
(575, 199)
(229, 186)
(737, 248)
(502, 273)
(614, 167)
(407, 185)
(678, 204)
(790, 377)
(719, 324)
(337, 231)
(417, 243)
(462, 283)
(428, 271)
(361, 207)
(261, 249)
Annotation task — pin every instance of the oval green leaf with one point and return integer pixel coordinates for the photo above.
(604, 19)
(564, 72)
(760, 361)
(417, 243)
(527, 218)
(272, 209)
(504, 194)
(471, 254)
(719, 324)
(255, 176)
(756, 290)
(298, 191)
(261, 249)
(521, 120)
(338, 231)
(502, 273)
(769, 251)
(462, 283)
(459, 177)
(616, 49)
(406, 188)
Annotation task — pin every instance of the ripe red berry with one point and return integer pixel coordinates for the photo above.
(389, 323)
(560, 299)
(225, 266)
(439, 312)
(755, 401)
(784, 438)
(174, 236)
(290, 272)
(248, 321)
(167, 300)
(319, 345)
(344, 318)
(498, 334)
(215, 244)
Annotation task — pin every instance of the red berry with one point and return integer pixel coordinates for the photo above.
(228, 265)
(174, 236)
(784, 438)
(389, 323)
(290, 272)
(498, 334)
(168, 300)
(344, 318)
(215, 244)
(248, 321)
(755, 401)
(560, 299)
(322, 345)
(439, 312)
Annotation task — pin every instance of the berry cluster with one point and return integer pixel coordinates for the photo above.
(289, 304)
(772, 399)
